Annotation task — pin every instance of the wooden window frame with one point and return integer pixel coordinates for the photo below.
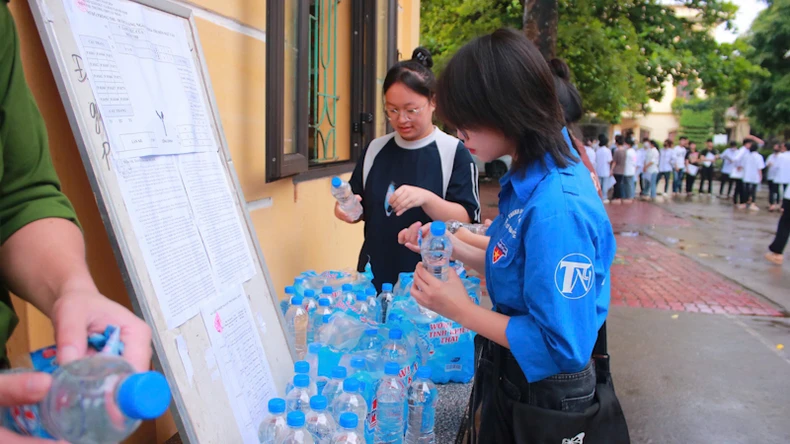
(280, 165)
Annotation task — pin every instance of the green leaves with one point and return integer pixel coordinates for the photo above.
(621, 52)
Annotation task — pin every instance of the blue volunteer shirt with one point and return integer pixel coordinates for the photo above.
(547, 266)
(438, 163)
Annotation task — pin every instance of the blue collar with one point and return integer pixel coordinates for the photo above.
(525, 180)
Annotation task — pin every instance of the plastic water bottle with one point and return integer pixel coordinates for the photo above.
(298, 322)
(454, 225)
(346, 198)
(274, 424)
(394, 349)
(391, 399)
(374, 308)
(319, 421)
(317, 317)
(97, 399)
(361, 308)
(313, 358)
(298, 398)
(436, 251)
(350, 401)
(385, 298)
(285, 304)
(329, 293)
(422, 398)
(335, 385)
(296, 433)
(371, 340)
(367, 388)
(347, 297)
(310, 302)
(347, 432)
(303, 368)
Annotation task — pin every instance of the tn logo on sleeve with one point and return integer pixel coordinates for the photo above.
(574, 276)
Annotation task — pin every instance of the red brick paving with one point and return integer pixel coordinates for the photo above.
(649, 275)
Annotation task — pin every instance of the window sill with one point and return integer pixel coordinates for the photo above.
(321, 171)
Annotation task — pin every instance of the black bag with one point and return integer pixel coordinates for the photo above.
(601, 423)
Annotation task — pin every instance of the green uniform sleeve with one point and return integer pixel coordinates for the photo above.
(29, 186)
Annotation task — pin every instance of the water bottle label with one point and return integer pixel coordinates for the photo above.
(371, 420)
(25, 421)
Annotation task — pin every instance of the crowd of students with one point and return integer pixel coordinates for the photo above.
(626, 165)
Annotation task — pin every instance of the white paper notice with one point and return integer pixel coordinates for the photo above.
(183, 351)
(217, 218)
(140, 68)
(243, 366)
(176, 259)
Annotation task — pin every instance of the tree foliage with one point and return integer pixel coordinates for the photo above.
(621, 52)
(769, 98)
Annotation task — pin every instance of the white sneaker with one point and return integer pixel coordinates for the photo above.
(754, 207)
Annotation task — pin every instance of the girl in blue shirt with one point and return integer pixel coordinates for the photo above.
(551, 247)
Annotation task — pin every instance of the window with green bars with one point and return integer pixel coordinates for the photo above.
(322, 94)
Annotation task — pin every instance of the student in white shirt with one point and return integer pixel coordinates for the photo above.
(651, 171)
(782, 177)
(665, 164)
(739, 198)
(707, 157)
(692, 168)
(679, 164)
(588, 146)
(753, 165)
(773, 187)
(603, 167)
(726, 169)
(629, 172)
(641, 152)
(777, 247)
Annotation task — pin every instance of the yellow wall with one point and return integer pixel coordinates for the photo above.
(298, 232)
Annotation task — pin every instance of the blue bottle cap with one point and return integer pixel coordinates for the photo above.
(276, 405)
(357, 362)
(324, 302)
(295, 419)
(297, 300)
(361, 296)
(371, 332)
(315, 347)
(386, 287)
(326, 318)
(347, 287)
(310, 293)
(370, 291)
(349, 420)
(395, 317)
(318, 402)
(327, 290)
(424, 372)
(290, 290)
(336, 182)
(302, 366)
(301, 380)
(339, 372)
(396, 333)
(391, 368)
(351, 385)
(144, 395)
(438, 228)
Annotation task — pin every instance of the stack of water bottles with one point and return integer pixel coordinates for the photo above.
(352, 407)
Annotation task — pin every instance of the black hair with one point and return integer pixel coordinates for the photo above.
(709, 140)
(754, 147)
(733, 144)
(667, 143)
(629, 141)
(645, 139)
(603, 140)
(618, 140)
(501, 81)
(787, 145)
(684, 138)
(748, 141)
(415, 74)
(568, 95)
(655, 144)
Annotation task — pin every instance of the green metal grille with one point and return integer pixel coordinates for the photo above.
(322, 95)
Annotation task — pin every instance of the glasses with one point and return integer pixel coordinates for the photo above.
(408, 114)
